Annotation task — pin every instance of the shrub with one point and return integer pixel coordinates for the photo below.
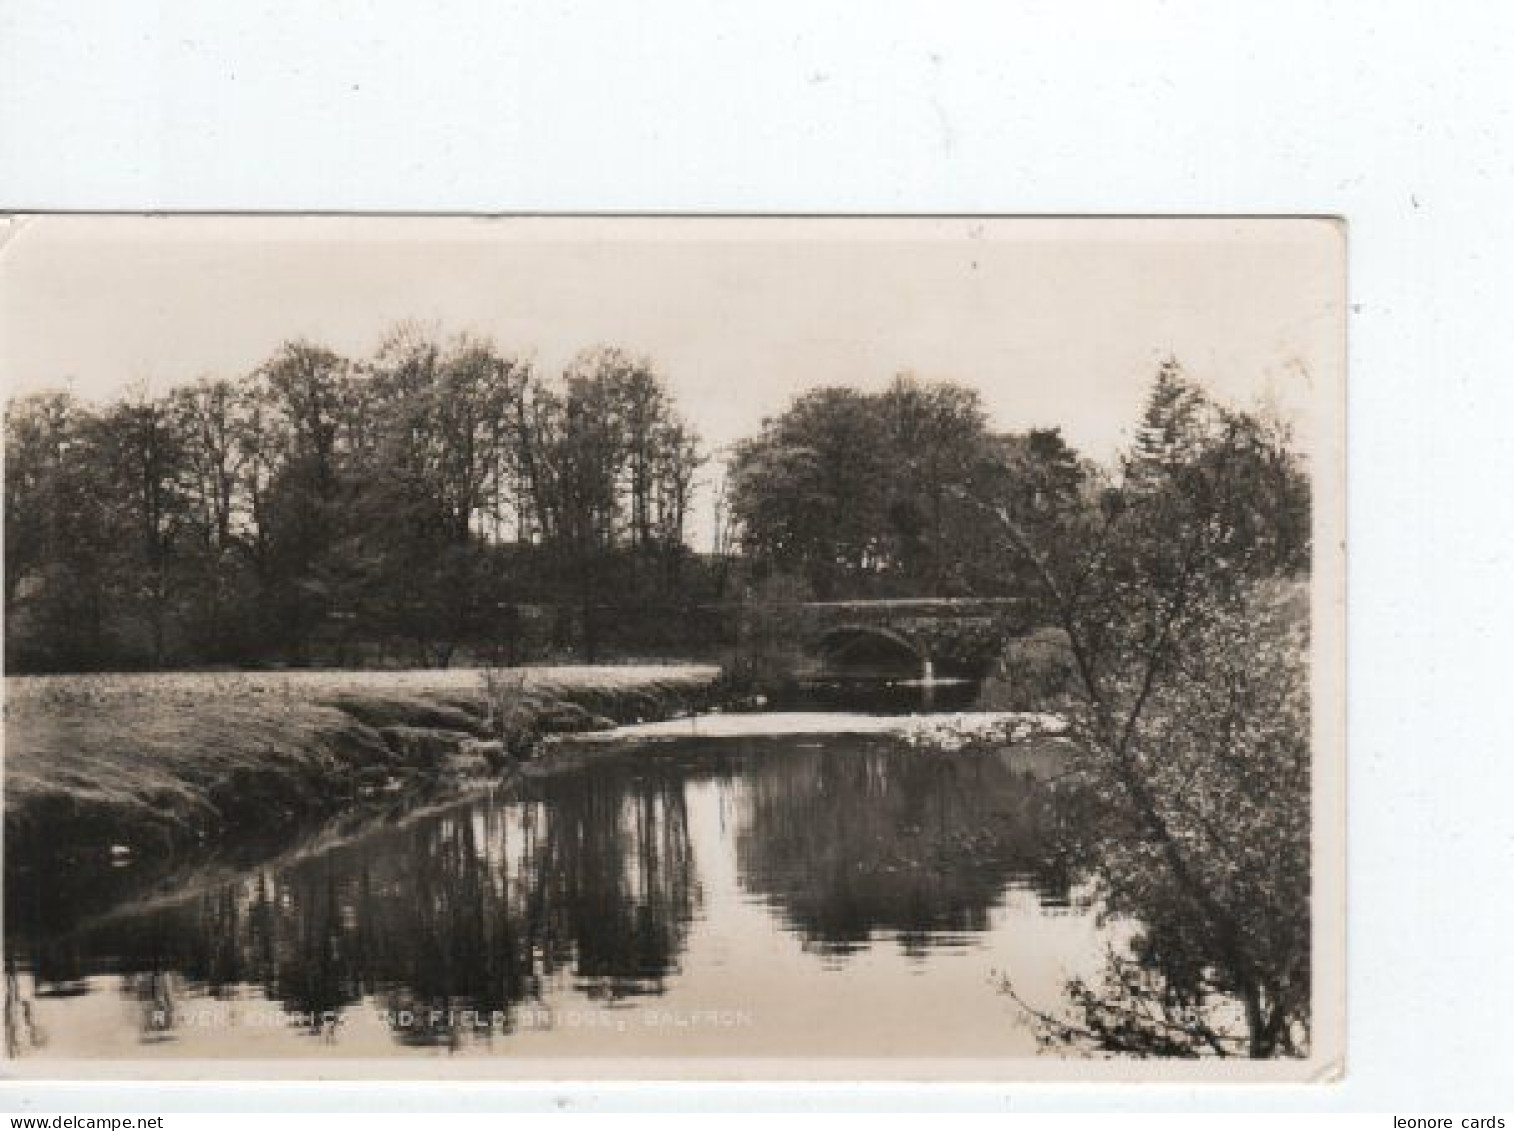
(1035, 673)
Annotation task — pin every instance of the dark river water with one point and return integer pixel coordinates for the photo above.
(794, 897)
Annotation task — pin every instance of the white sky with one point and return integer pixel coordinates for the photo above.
(1057, 322)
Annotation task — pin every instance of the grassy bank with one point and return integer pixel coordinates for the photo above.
(156, 762)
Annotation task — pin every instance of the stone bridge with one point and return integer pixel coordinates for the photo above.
(918, 636)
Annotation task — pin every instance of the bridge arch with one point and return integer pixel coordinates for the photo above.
(869, 650)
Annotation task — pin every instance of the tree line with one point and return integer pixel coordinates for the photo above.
(443, 498)
(327, 509)
(851, 494)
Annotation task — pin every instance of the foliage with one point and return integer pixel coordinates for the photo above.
(323, 507)
(1203, 832)
(1193, 724)
(858, 494)
(1035, 672)
(767, 653)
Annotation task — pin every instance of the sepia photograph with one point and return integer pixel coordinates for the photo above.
(630, 647)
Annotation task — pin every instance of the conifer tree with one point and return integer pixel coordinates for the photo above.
(1173, 429)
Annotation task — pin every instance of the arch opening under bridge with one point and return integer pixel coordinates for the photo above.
(858, 651)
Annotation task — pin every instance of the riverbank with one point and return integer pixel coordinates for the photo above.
(130, 764)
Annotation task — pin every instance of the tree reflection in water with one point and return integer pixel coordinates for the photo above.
(882, 839)
(463, 922)
(455, 919)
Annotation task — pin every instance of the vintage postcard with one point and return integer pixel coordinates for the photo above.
(665, 648)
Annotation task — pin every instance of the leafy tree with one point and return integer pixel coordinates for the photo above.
(935, 432)
(1193, 735)
(608, 463)
(142, 458)
(209, 419)
(39, 431)
(1051, 494)
(426, 487)
(863, 494)
(812, 491)
(57, 538)
(303, 390)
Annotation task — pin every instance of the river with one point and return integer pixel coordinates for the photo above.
(796, 896)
